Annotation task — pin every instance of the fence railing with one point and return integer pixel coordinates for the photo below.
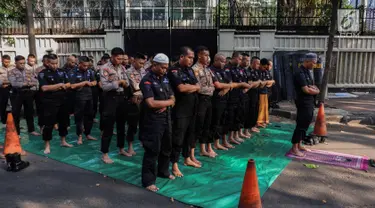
(299, 20)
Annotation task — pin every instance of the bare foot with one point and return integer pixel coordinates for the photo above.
(79, 141)
(204, 153)
(34, 133)
(302, 148)
(212, 153)
(125, 153)
(240, 140)
(227, 145)
(65, 144)
(171, 177)
(89, 137)
(233, 141)
(196, 161)
(261, 125)
(189, 162)
(114, 133)
(176, 171)
(41, 129)
(297, 153)
(106, 159)
(96, 121)
(220, 147)
(47, 150)
(56, 127)
(152, 188)
(255, 129)
(242, 135)
(248, 135)
(131, 151)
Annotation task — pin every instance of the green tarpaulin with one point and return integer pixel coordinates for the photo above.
(217, 184)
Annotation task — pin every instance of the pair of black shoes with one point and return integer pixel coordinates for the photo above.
(14, 162)
(313, 140)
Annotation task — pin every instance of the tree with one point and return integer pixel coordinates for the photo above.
(331, 39)
(12, 9)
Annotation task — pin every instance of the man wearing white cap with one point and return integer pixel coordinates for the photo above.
(158, 98)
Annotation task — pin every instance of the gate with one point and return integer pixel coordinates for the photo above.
(164, 26)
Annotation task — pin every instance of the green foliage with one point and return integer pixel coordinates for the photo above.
(12, 10)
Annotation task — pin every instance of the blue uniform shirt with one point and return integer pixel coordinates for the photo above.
(78, 76)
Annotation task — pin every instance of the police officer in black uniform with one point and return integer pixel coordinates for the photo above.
(234, 101)
(220, 97)
(158, 98)
(305, 91)
(185, 86)
(54, 82)
(71, 65)
(82, 80)
(254, 77)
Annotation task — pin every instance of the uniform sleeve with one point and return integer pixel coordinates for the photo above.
(270, 75)
(146, 88)
(66, 78)
(228, 75)
(33, 78)
(15, 79)
(174, 77)
(92, 75)
(214, 77)
(107, 81)
(194, 79)
(42, 79)
(300, 79)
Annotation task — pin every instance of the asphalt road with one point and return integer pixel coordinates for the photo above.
(47, 183)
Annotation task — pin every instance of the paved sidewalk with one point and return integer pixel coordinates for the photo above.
(341, 110)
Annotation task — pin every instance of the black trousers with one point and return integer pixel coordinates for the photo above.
(253, 113)
(157, 142)
(70, 103)
(113, 112)
(203, 120)
(245, 109)
(95, 100)
(132, 118)
(23, 98)
(83, 116)
(4, 97)
(219, 118)
(55, 111)
(39, 107)
(183, 135)
(305, 115)
(234, 115)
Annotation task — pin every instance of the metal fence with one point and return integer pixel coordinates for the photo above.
(184, 15)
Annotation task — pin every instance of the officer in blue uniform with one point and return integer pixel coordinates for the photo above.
(54, 82)
(185, 86)
(220, 97)
(82, 80)
(158, 98)
(305, 91)
(234, 101)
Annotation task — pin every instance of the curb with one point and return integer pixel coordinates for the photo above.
(293, 115)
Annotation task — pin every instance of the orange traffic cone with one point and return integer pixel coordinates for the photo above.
(320, 128)
(250, 196)
(12, 147)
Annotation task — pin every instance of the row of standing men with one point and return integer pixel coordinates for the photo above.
(175, 106)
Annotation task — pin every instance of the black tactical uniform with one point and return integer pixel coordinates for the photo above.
(304, 104)
(219, 104)
(234, 101)
(83, 102)
(184, 112)
(254, 100)
(156, 129)
(54, 108)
